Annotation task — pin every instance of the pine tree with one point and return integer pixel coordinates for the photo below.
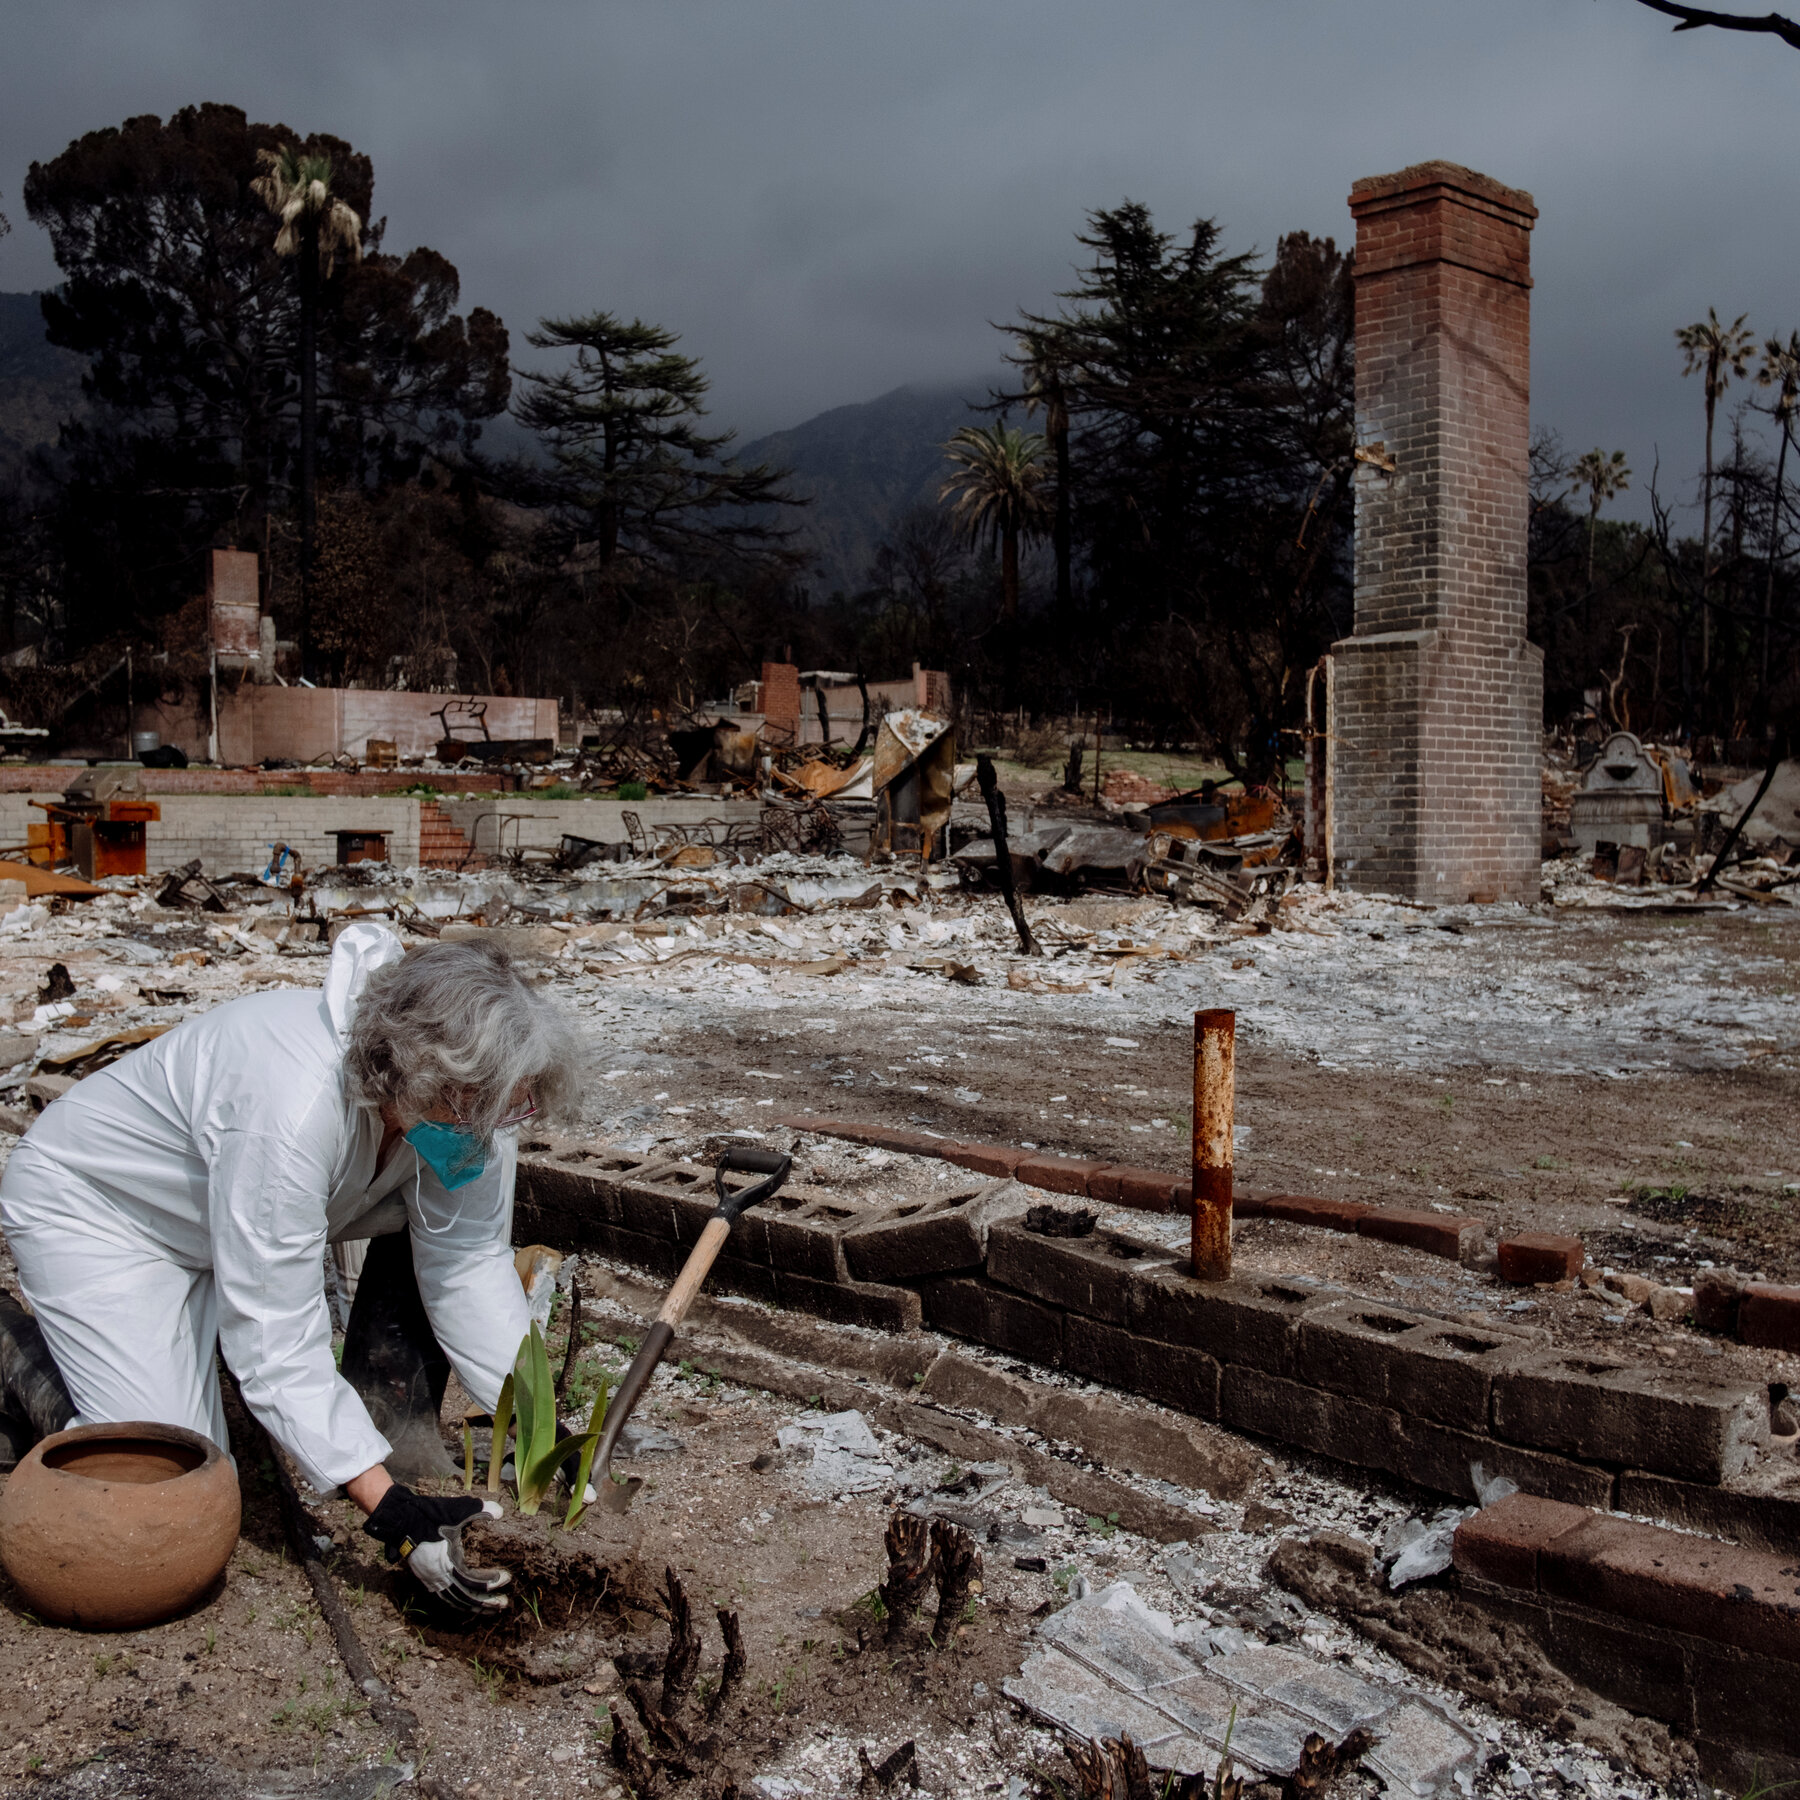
(633, 477)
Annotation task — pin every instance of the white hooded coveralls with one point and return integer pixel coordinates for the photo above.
(186, 1194)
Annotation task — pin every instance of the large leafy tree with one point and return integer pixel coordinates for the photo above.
(634, 482)
(1210, 416)
(175, 292)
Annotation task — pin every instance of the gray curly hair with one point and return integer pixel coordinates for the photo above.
(455, 1025)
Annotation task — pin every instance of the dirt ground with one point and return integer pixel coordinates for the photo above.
(247, 1696)
(1629, 1076)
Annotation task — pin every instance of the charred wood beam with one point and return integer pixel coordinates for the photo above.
(862, 737)
(996, 810)
(1722, 861)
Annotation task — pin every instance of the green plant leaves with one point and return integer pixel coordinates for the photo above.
(539, 1448)
(535, 1457)
(590, 1442)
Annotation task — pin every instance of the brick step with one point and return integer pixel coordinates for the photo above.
(1700, 1633)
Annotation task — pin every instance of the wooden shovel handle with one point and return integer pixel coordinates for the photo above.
(694, 1271)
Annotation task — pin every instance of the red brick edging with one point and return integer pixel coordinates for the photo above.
(1660, 1578)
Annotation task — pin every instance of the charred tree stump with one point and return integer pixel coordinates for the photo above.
(634, 1768)
(1003, 869)
(1116, 1769)
(912, 1567)
(878, 1777)
(958, 1559)
(1321, 1762)
(667, 1739)
(682, 1663)
(732, 1671)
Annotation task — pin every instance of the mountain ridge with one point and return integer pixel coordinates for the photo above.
(40, 385)
(864, 465)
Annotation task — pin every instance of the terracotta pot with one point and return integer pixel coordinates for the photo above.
(112, 1527)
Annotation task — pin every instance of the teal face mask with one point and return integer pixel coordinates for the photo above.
(453, 1153)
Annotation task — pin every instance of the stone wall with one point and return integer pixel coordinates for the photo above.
(1438, 694)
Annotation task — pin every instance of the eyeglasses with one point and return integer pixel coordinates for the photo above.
(527, 1111)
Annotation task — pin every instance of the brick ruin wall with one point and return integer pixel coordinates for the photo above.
(1681, 1627)
(1438, 694)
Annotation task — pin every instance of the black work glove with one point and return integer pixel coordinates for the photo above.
(427, 1534)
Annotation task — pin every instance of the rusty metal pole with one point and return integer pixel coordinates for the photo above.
(1215, 1085)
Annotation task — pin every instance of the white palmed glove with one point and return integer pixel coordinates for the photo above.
(427, 1534)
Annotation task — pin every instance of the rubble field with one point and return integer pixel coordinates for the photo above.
(1618, 1068)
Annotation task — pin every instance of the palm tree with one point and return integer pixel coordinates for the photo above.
(999, 493)
(317, 228)
(1046, 389)
(1721, 351)
(1604, 477)
(1781, 371)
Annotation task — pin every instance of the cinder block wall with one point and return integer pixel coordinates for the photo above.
(231, 833)
(509, 822)
(1438, 695)
(303, 724)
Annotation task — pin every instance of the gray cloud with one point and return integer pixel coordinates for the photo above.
(828, 198)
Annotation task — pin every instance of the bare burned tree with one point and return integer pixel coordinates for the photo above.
(1697, 18)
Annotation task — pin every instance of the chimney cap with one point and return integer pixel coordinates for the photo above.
(1438, 174)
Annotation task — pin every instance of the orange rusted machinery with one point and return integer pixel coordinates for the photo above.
(98, 825)
(1211, 815)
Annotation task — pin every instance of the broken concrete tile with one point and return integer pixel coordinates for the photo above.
(1270, 1740)
(1115, 1645)
(1260, 1667)
(1060, 1691)
(1420, 1750)
(1334, 1700)
(1198, 1704)
(1185, 1756)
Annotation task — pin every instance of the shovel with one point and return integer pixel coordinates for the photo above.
(681, 1296)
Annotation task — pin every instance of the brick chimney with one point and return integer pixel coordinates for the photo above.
(780, 703)
(1437, 697)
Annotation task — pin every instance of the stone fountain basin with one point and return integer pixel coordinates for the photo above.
(113, 1527)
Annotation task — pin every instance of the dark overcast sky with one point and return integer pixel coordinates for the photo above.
(831, 197)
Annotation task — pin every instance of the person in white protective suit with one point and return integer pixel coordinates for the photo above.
(186, 1194)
